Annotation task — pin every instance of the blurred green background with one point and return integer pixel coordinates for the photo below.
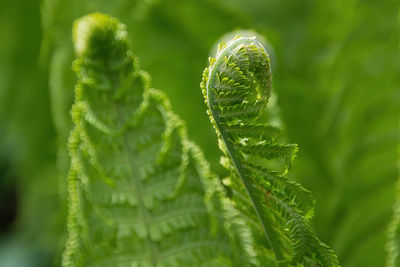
(336, 74)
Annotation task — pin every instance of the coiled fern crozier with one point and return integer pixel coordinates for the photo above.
(236, 87)
(136, 184)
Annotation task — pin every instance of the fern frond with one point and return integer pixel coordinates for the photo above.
(137, 186)
(236, 87)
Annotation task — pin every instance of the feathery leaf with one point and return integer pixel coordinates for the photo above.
(137, 186)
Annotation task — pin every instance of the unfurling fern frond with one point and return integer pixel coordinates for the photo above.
(136, 184)
(236, 87)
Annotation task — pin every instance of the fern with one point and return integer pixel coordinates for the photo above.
(136, 183)
(236, 87)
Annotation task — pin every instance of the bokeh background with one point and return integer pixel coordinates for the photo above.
(336, 75)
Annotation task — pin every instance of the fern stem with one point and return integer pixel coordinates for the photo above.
(134, 181)
(139, 193)
(257, 205)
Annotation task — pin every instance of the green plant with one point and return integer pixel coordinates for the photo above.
(236, 87)
(136, 183)
(335, 66)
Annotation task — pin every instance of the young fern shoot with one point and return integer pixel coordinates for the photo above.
(236, 87)
(136, 184)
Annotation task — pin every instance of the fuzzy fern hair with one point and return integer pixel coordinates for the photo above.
(137, 186)
(236, 87)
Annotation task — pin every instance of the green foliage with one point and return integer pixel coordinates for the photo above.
(237, 86)
(136, 183)
(335, 66)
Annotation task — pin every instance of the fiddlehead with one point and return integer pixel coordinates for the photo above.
(136, 183)
(236, 87)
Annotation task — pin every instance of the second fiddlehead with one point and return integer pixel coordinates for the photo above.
(236, 87)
